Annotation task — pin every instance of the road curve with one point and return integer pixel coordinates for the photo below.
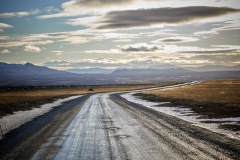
(109, 128)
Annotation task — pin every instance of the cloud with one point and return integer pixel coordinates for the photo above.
(163, 32)
(206, 33)
(18, 14)
(5, 51)
(229, 25)
(219, 59)
(58, 53)
(84, 21)
(51, 9)
(150, 59)
(164, 48)
(4, 26)
(30, 48)
(23, 43)
(122, 40)
(157, 16)
(73, 37)
(101, 63)
(85, 7)
(3, 37)
(95, 3)
(141, 47)
(109, 51)
(178, 39)
(87, 63)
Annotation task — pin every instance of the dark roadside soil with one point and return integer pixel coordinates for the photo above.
(24, 106)
(149, 117)
(22, 142)
(204, 110)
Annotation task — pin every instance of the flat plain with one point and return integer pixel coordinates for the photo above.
(209, 99)
(25, 98)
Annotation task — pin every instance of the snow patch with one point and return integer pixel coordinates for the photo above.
(15, 120)
(188, 115)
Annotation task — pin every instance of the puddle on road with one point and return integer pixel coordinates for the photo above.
(122, 136)
(112, 128)
(107, 121)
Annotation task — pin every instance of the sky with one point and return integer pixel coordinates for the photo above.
(112, 34)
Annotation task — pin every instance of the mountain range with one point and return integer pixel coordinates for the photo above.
(91, 71)
(206, 68)
(31, 75)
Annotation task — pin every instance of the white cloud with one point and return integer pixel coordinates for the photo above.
(23, 43)
(109, 51)
(84, 21)
(163, 32)
(51, 9)
(141, 47)
(206, 33)
(95, 3)
(76, 39)
(4, 26)
(30, 48)
(3, 37)
(229, 25)
(5, 51)
(18, 14)
(58, 53)
(88, 7)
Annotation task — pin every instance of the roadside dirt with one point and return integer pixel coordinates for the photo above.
(23, 142)
(181, 134)
(204, 110)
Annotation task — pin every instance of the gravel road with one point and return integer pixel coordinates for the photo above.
(105, 126)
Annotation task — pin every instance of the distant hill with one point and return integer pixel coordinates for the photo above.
(215, 68)
(31, 75)
(27, 69)
(163, 66)
(150, 72)
(91, 71)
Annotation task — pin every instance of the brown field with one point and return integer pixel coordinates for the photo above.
(226, 92)
(209, 99)
(17, 99)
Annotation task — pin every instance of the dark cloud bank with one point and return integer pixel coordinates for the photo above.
(148, 17)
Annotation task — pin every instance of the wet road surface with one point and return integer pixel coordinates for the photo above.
(106, 126)
(104, 129)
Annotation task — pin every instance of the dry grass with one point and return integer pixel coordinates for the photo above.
(16, 100)
(225, 92)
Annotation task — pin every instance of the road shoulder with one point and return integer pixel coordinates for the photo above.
(211, 143)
